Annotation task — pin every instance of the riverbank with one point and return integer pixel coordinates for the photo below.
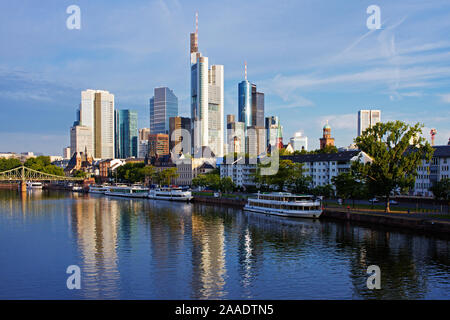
(235, 202)
(419, 222)
(9, 186)
(430, 223)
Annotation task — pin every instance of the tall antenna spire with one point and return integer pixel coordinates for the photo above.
(196, 22)
(245, 73)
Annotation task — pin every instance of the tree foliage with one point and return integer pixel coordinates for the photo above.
(288, 173)
(8, 164)
(213, 181)
(441, 189)
(396, 150)
(349, 186)
(43, 164)
(131, 172)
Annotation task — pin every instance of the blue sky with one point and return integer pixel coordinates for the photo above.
(314, 60)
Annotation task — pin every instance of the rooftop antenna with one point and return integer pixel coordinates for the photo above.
(196, 22)
(245, 73)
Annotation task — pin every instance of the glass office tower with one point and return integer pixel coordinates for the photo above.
(163, 106)
(245, 103)
(126, 134)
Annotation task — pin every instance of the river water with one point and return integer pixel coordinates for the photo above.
(146, 249)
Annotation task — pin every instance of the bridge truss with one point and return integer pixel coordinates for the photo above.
(26, 174)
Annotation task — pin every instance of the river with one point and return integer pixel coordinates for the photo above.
(146, 249)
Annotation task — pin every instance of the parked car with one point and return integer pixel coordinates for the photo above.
(393, 202)
(373, 200)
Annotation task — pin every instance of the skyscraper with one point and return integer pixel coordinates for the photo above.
(271, 125)
(163, 105)
(235, 137)
(367, 119)
(81, 140)
(97, 113)
(206, 101)
(158, 144)
(251, 113)
(175, 137)
(126, 134)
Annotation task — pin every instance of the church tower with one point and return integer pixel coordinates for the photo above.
(326, 140)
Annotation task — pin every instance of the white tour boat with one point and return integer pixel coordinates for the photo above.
(285, 204)
(34, 185)
(174, 194)
(125, 191)
(98, 189)
(77, 189)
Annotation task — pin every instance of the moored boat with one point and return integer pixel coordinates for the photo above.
(97, 189)
(34, 185)
(77, 189)
(172, 194)
(125, 191)
(285, 204)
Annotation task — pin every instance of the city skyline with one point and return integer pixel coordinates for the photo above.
(402, 69)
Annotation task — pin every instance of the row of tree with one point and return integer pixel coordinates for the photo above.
(40, 163)
(213, 181)
(139, 172)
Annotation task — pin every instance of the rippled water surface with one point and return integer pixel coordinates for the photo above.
(143, 249)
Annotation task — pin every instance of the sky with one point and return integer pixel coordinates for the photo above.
(314, 60)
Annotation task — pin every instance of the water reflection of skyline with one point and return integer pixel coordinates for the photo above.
(136, 248)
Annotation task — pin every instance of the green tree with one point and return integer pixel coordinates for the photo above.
(349, 186)
(167, 175)
(148, 171)
(441, 189)
(226, 184)
(131, 172)
(43, 164)
(397, 150)
(288, 172)
(200, 181)
(327, 191)
(79, 174)
(8, 164)
(302, 184)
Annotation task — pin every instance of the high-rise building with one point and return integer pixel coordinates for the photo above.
(143, 133)
(126, 134)
(81, 140)
(251, 112)
(215, 110)
(230, 118)
(367, 119)
(163, 105)
(143, 142)
(299, 142)
(256, 141)
(97, 113)
(235, 137)
(66, 153)
(206, 101)
(326, 140)
(245, 103)
(257, 108)
(158, 145)
(176, 123)
(272, 127)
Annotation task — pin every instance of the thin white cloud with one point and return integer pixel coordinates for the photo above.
(445, 97)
